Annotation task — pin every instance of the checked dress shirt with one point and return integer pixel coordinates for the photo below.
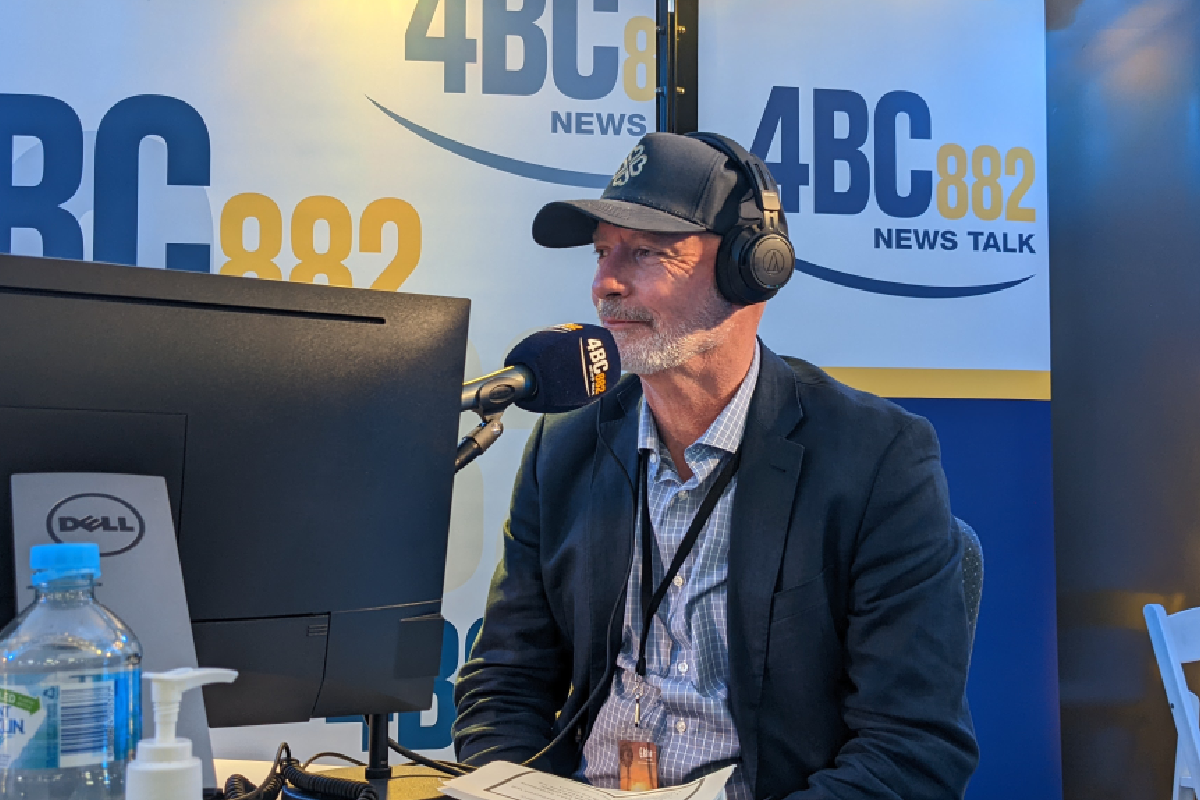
(684, 705)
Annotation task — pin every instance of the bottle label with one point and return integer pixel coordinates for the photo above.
(69, 719)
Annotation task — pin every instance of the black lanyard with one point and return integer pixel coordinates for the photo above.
(652, 600)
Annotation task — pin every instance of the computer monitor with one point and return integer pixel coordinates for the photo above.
(307, 435)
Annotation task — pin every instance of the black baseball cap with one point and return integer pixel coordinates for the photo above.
(667, 184)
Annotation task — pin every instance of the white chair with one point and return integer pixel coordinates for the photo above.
(1176, 641)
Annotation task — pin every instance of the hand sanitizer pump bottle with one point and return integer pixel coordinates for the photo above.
(70, 686)
(165, 768)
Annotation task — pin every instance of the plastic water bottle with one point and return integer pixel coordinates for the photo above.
(70, 686)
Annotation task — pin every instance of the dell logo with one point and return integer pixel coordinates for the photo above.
(109, 521)
(91, 524)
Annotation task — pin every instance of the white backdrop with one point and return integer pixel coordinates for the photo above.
(328, 132)
(969, 76)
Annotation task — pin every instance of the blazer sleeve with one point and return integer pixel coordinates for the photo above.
(907, 642)
(518, 674)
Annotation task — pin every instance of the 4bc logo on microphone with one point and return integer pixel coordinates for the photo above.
(595, 367)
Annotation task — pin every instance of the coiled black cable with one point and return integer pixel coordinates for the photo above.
(289, 770)
(609, 657)
(239, 787)
(331, 787)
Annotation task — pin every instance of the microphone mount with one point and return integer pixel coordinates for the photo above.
(488, 397)
(497, 391)
(483, 436)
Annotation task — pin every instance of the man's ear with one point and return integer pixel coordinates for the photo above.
(710, 245)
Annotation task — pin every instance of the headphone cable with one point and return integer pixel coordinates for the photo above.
(609, 658)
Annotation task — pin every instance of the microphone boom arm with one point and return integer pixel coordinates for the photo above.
(483, 436)
(488, 397)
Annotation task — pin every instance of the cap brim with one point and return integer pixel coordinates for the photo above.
(571, 223)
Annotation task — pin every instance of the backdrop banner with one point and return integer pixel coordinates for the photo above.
(403, 143)
(909, 142)
(407, 144)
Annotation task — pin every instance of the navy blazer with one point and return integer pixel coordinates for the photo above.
(848, 643)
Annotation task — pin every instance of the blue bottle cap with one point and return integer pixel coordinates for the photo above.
(53, 561)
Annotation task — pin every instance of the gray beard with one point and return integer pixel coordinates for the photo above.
(667, 346)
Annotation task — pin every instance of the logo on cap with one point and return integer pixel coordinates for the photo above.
(631, 167)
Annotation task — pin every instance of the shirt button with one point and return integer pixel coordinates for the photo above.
(681, 727)
(677, 580)
(683, 667)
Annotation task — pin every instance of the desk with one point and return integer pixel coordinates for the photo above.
(409, 782)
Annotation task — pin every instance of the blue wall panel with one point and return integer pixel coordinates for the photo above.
(997, 459)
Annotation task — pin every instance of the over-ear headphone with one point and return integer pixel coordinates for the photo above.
(756, 257)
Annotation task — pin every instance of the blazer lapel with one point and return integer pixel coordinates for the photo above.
(610, 528)
(762, 505)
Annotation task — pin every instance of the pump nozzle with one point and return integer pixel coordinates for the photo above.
(168, 689)
(165, 768)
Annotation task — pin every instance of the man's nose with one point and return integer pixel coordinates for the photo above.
(608, 281)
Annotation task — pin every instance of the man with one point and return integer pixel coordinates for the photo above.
(814, 633)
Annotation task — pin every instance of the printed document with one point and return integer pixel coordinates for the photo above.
(501, 780)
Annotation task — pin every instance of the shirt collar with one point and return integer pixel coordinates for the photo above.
(727, 429)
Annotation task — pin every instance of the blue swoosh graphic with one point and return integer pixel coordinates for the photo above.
(589, 180)
(563, 177)
(895, 289)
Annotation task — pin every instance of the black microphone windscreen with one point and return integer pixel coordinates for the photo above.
(572, 364)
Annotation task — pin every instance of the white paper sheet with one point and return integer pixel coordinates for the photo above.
(501, 780)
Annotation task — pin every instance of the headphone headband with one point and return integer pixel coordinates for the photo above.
(766, 191)
(754, 262)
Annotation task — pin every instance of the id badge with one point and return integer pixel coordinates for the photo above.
(638, 765)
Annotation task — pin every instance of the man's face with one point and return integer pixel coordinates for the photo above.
(657, 294)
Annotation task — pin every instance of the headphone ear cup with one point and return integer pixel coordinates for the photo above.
(768, 263)
(729, 279)
(752, 266)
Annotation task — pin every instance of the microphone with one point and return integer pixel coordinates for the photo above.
(550, 371)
